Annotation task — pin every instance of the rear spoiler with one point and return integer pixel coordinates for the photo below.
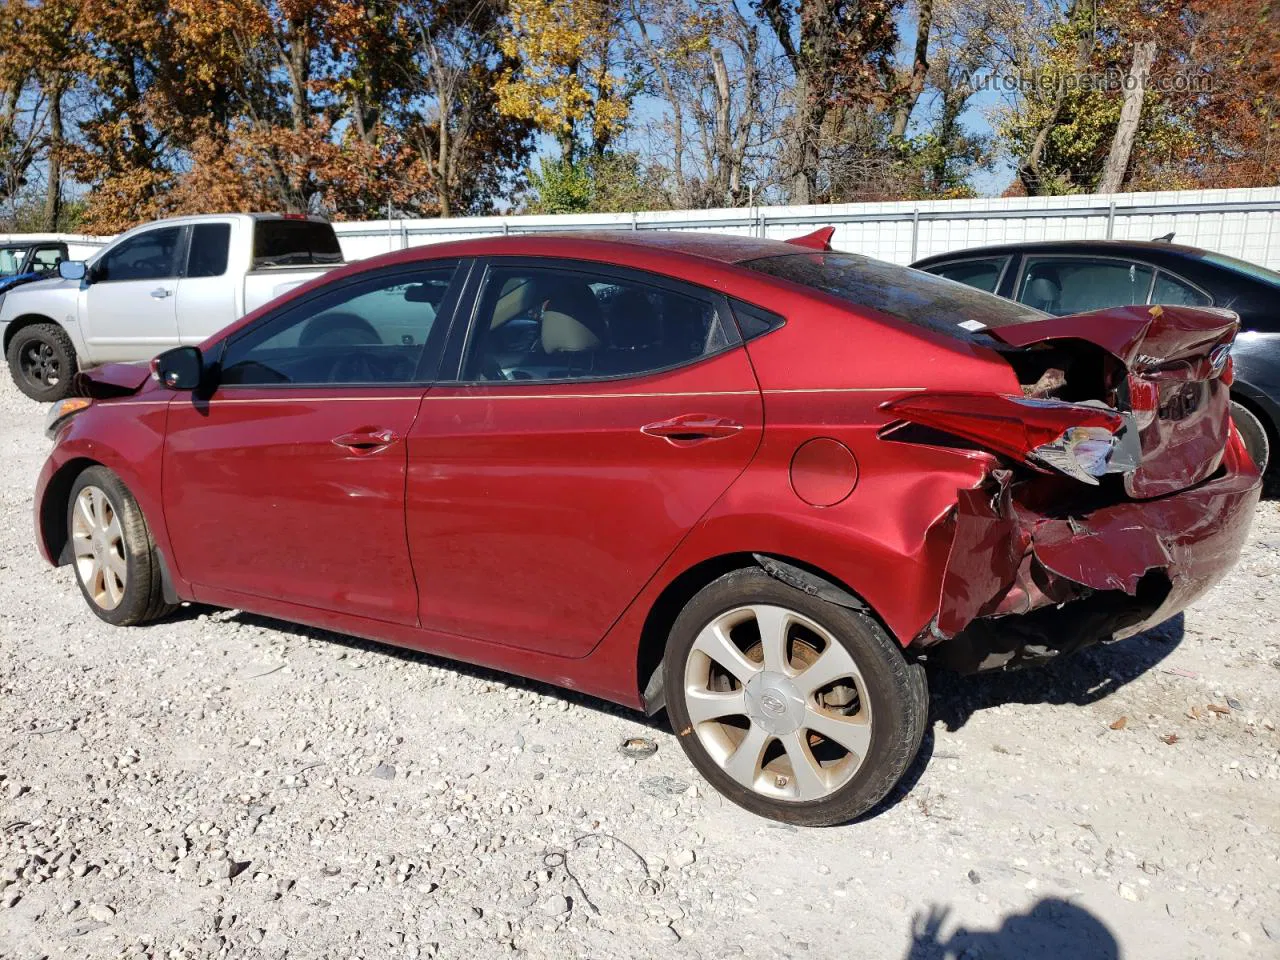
(818, 240)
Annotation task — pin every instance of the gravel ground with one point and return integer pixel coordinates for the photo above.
(223, 785)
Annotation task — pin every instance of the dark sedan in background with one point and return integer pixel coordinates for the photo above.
(1077, 276)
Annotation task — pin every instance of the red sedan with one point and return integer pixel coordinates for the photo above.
(757, 484)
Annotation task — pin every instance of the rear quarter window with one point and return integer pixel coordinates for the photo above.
(912, 296)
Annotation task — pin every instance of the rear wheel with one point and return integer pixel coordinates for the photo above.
(42, 360)
(114, 556)
(792, 707)
(1253, 433)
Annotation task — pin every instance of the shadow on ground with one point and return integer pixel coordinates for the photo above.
(1080, 679)
(191, 611)
(1052, 928)
(1084, 678)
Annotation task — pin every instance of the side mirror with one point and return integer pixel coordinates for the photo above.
(181, 368)
(72, 269)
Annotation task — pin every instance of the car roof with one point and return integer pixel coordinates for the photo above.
(1148, 249)
(719, 247)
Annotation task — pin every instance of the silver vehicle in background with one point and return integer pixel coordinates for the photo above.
(161, 285)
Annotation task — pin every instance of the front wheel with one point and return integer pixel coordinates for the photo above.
(115, 558)
(42, 360)
(792, 707)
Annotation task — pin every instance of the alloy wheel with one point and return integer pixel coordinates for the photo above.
(98, 543)
(39, 362)
(777, 702)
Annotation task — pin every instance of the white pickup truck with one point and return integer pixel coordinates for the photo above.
(165, 284)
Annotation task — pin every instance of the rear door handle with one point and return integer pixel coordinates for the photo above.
(689, 428)
(367, 441)
(159, 293)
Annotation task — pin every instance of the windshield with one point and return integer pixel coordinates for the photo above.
(913, 296)
(1269, 277)
(11, 260)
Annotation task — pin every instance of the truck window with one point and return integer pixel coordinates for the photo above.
(145, 256)
(46, 259)
(209, 245)
(279, 243)
(11, 260)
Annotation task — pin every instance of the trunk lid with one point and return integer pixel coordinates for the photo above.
(1165, 368)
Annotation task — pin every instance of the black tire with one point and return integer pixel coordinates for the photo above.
(1254, 434)
(142, 599)
(42, 360)
(896, 689)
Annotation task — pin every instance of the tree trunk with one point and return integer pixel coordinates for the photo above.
(722, 166)
(807, 130)
(298, 67)
(1135, 91)
(53, 188)
(919, 72)
(1029, 170)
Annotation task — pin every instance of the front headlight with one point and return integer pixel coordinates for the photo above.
(61, 412)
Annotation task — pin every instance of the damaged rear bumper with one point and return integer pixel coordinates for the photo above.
(1024, 586)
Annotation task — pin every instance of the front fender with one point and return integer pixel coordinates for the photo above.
(45, 301)
(136, 429)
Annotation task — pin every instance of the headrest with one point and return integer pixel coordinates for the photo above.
(562, 333)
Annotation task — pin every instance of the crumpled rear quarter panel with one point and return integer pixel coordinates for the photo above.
(1007, 557)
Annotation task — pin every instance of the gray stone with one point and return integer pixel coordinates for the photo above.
(555, 906)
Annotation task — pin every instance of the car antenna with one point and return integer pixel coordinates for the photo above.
(1167, 238)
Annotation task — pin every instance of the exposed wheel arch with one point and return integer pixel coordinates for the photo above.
(19, 323)
(677, 594)
(53, 521)
(1268, 425)
(53, 508)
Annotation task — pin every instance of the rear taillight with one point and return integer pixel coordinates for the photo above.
(1081, 440)
(1081, 452)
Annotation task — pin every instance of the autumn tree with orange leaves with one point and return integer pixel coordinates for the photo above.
(116, 111)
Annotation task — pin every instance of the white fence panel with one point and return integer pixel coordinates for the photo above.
(1241, 222)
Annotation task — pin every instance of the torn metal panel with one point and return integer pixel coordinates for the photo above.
(1110, 571)
(1173, 377)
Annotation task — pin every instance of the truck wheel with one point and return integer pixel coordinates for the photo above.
(1253, 433)
(42, 361)
(792, 707)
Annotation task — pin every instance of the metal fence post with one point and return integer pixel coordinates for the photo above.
(1111, 219)
(915, 233)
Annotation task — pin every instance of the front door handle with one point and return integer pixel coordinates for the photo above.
(690, 428)
(364, 442)
(159, 293)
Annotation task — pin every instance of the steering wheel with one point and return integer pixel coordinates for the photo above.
(355, 368)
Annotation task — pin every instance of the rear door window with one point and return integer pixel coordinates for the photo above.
(210, 243)
(981, 274)
(1063, 285)
(1178, 293)
(573, 322)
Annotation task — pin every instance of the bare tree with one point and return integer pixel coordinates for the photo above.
(1135, 92)
(910, 92)
(704, 62)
